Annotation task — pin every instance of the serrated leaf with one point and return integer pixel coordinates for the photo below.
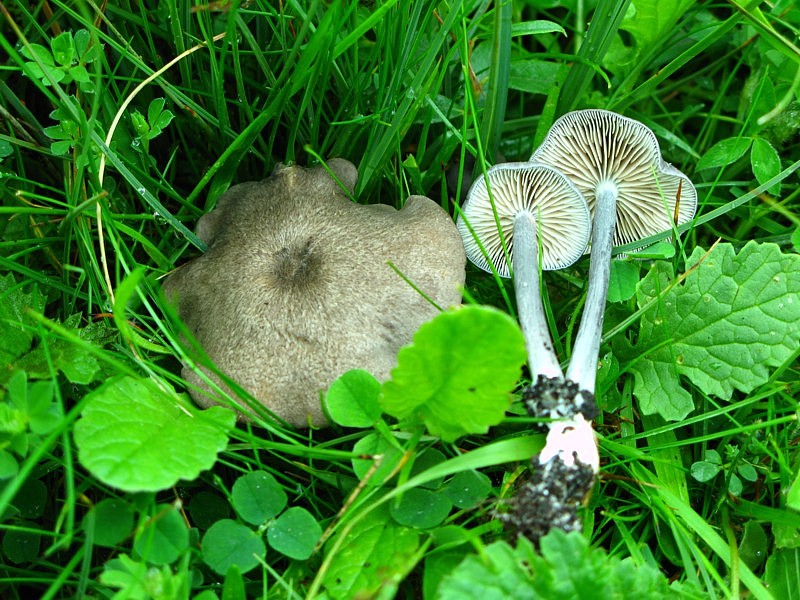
(646, 22)
(228, 543)
(257, 497)
(567, 568)
(295, 533)
(724, 153)
(376, 552)
(464, 362)
(734, 318)
(352, 399)
(16, 331)
(766, 163)
(135, 436)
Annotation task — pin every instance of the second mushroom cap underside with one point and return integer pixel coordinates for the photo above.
(487, 217)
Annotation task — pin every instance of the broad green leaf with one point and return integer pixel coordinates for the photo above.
(375, 553)
(9, 467)
(754, 547)
(295, 533)
(138, 581)
(228, 543)
(137, 437)
(164, 537)
(352, 399)
(257, 497)
(110, 520)
(464, 362)
(793, 496)
(533, 76)
(766, 163)
(724, 153)
(421, 508)
(733, 320)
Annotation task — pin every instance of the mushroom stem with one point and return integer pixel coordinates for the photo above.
(583, 363)
(525, 261)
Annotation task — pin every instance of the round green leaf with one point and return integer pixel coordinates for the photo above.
(135, 436)
(622, 280)
(257, 497)
(21, 546)
(468, 488)
(352, 399)
(228, 543)
(463, 364)
(421, 508)
(379, 447)
(430, 457)
(112, 520)
(163, 538)
(9, 466)
(295, 533)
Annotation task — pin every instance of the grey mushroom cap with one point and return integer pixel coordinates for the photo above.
(296, 287)
(597, 148)
(561, 214)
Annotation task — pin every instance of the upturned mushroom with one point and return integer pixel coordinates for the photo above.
(297, 285)
(515, 208)
(632, 192)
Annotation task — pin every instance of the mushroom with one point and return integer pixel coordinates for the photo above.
(616, 164)
(515, 208)
(298, 285)
(632, 192)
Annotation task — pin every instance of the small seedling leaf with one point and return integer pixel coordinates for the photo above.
(295, 533)
(766, 163)
(386, 456)
(228, 543)
(137, 437)
(733, 320)
(724, 153)
(257, 497)
(464, 362)
(352, 399)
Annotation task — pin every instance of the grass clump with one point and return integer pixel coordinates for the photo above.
(122, 123)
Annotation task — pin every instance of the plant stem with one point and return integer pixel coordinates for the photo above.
(583, 364)
(525, 262)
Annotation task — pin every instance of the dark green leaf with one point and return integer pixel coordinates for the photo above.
(228, 543)
(724, 153)
(21, 546)
(766, 163)
(257, 497)
(111, 520)
(163, 538)
(421, 508)
(295, 533)
(468, 488)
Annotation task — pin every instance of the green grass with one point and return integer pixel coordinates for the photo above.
(418, 95)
